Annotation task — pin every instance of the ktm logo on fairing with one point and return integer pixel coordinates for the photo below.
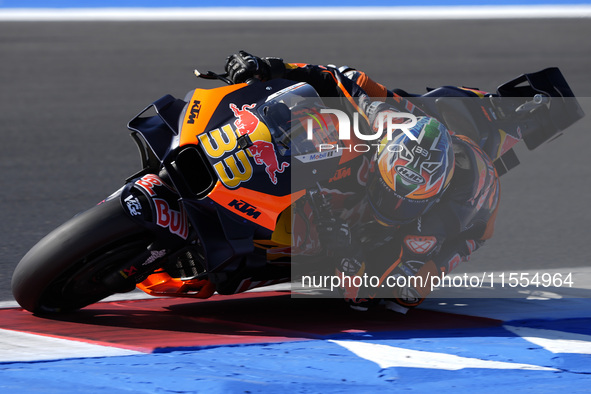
(194, 112)
(340, 174)
(244, 207)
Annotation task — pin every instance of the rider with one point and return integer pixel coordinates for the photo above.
(427, 202)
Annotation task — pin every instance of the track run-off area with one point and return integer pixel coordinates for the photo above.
(270, 342)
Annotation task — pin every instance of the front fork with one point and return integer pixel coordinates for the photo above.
(152, 203)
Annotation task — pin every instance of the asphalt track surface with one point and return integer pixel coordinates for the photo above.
(68, 89)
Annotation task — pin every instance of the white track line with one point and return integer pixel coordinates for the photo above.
(21, 346)
(554, 341)
(387, 356)
(297, 13)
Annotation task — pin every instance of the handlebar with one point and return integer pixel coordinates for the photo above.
(222, 77)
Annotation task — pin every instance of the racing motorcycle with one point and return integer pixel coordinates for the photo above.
(223, 169)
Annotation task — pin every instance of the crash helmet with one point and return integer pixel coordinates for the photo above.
(410, 174)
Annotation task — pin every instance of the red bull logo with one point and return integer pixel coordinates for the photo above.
(176, 222)
(263, 153)
(246, 122)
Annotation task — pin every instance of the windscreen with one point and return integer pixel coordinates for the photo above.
(294, 118)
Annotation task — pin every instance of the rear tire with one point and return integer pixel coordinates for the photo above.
(64, 271)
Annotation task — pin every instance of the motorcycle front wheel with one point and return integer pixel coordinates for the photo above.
(64, 271)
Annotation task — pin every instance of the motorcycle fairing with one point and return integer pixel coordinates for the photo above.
(159, 131)
(253, 178)
(224, 243)
(228, 121)
(191, 173)
(254, 206)
(215, 145)
(154, 204)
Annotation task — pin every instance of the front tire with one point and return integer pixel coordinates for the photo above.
(64, 271)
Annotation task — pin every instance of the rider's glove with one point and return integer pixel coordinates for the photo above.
(243, 66)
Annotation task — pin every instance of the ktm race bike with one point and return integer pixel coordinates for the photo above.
(223, 172)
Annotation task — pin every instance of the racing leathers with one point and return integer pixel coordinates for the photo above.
(402, 260)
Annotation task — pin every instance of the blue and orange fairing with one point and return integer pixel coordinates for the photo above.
(249, 135)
